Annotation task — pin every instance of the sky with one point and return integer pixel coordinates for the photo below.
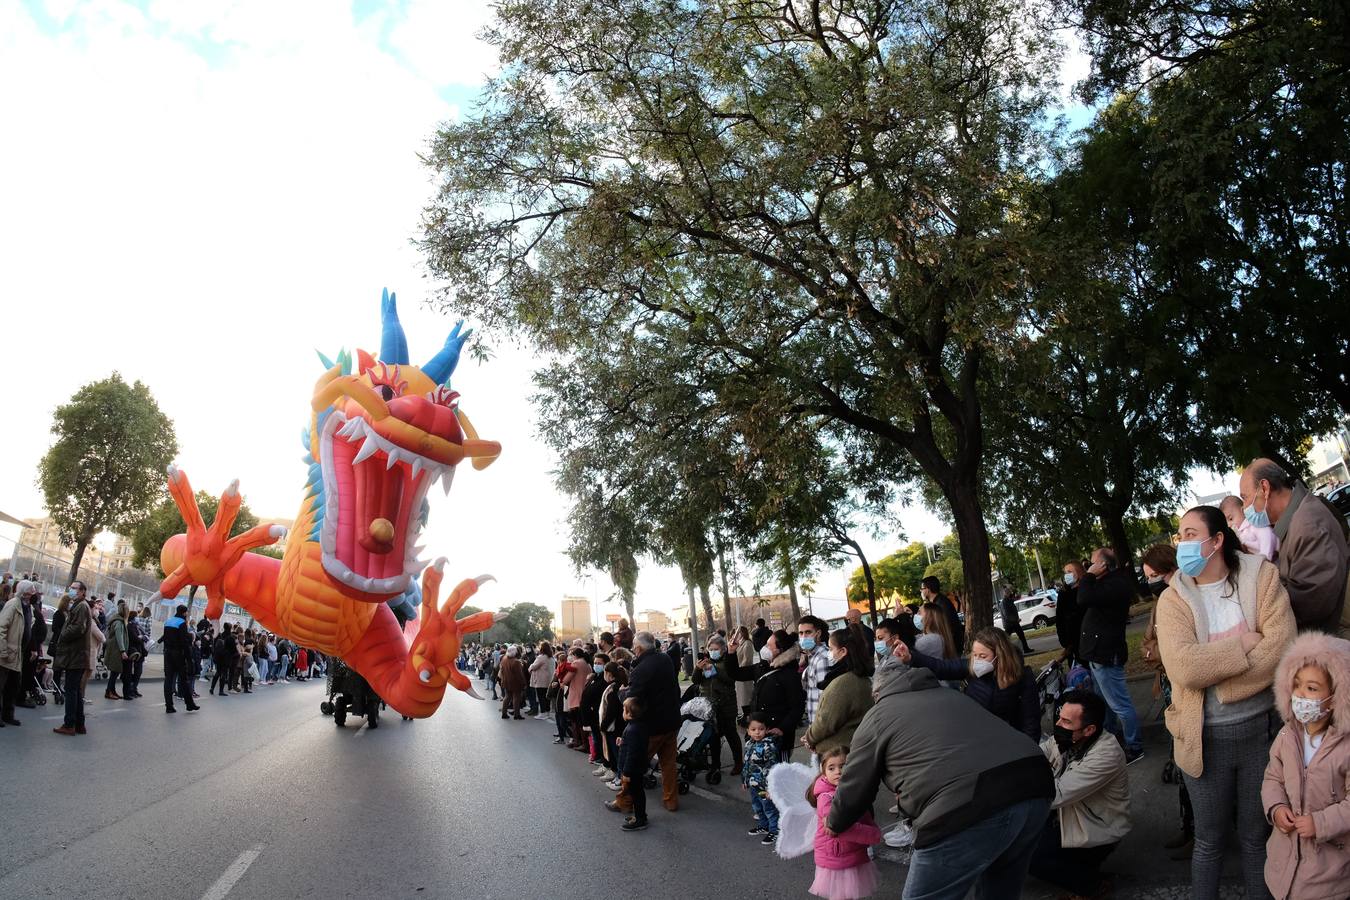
(199, 194)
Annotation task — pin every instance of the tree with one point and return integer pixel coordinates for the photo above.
(164, 521)
(827, 204)
(525, 623)
(106, 467)
(897, 575)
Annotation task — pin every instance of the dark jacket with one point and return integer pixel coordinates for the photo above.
(954, 620)
(779, 694)
(177, 640)
(1068, 618)
(225, 650)
(634, 757)
(652, 681)
(58, 622)
(590, 702)
(760, 636)
(1019, 704)
(951, 764)
(71, 649)
(1105, 604)
(721, 688)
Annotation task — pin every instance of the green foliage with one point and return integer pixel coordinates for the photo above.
(525, 623)
(164, 521)
(106, 467)
(896, 575)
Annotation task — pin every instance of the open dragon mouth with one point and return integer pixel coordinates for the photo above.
(374, 491)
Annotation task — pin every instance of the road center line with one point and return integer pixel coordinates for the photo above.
(225, 882)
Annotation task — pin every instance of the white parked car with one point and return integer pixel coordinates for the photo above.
(1037, 609)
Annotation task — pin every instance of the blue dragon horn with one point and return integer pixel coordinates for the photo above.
(393, 345)
(443, 364)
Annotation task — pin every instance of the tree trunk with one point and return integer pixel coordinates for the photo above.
(705, 598)
(80, 546)
(1113, 526)
(871, 587)
(628, 607)
(726, 590)
(790, 575)
(974, 538)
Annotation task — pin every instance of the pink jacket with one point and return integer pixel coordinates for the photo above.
(575, 682)
(1318, 868)
(849, 849)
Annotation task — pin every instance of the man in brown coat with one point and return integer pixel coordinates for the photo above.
(512, 678)
(1313, 556)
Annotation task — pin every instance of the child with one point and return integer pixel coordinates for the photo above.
(633, 762)
(844, 871)
(761, 755)
(1304, 792)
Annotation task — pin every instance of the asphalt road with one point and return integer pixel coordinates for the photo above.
(260, 795)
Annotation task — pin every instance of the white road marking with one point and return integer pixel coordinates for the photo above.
(225, 882)
(705, 794)
(362, 730)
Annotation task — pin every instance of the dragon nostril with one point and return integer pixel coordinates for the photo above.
(386, 392)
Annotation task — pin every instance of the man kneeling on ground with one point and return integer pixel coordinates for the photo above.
(1092, 799)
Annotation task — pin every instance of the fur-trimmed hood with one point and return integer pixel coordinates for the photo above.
(1333, 655)
(787, 657)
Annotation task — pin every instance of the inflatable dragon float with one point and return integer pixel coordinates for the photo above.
(381, 434)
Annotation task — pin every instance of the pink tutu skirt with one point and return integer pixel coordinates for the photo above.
(846, 884)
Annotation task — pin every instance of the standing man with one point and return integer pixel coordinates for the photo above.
(624, 635)
(930, 589)
(178, 642)
(760, 635)
(1105, 597)
(16, 628)
(854, 617)
(814, 660)
(977, 791)
(512, 676)
(1313, 554)
(1012, 619)
(71, 656)
(1091, 809)
(652, 682)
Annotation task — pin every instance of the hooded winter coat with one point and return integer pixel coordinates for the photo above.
(779, 694)
(848, 849)
(950, 762)
(1195, 664)
(71, 649)
(1299, 868)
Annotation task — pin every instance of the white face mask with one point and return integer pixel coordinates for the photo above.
(981, 667)
(1308, 710)
(765, 653)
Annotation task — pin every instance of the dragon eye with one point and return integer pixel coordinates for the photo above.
(386, 382)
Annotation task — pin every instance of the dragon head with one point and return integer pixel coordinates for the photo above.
(382, 433)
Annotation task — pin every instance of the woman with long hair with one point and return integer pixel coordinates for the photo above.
(846, 692)
(935, 638)
(995, 675)
(1223, 623)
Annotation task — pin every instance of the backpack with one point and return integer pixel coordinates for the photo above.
(218, 648)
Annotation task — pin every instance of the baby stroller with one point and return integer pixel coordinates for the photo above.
(348, 692)
(1050, 685)
(693, 744)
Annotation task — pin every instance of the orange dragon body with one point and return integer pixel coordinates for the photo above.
(379, 438)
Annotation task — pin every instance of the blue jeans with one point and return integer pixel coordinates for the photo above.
(993, 856)
(262, 670)
(1109, 683)
(765, 812)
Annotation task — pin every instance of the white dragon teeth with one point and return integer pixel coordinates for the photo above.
(414, 567)
(367, 451)
(417, 466)
(394, 458)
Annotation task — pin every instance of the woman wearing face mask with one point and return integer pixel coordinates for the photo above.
(590, 712)
(714, 676)
(996, 678)
(611, 718)
(1068, 617)
(935, 634)
(846, 696)
(778, 692)
(1223, 624)
(742, 649)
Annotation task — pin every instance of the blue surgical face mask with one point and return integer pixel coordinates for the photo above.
(808, 643)
(714, 654)
(1257, 519)
(918, 621)
(1191, 558)
(711, 673)
(881, 647)
(71, 592)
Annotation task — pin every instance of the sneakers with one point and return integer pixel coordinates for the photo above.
(614, 784)
(557, 740)
(632, 824)
(769, 839)
(757, 831)
(1133, 756)
(600, 770)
